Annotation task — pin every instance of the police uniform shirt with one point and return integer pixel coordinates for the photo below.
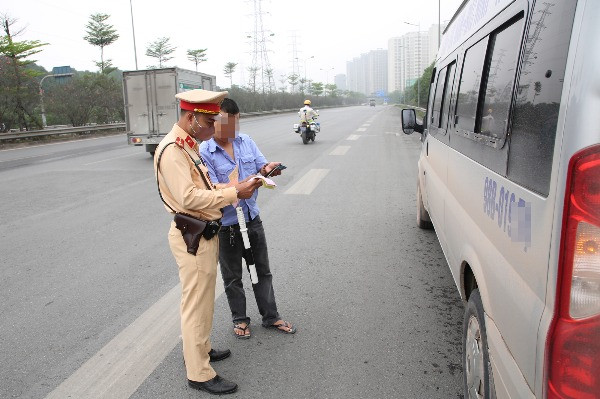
(180, 182)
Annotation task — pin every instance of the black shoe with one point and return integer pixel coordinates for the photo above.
(216, 386)
(216, 355)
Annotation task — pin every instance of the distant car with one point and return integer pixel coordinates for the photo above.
(372, 103)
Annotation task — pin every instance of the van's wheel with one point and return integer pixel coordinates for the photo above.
(477, 371)
(423, 219)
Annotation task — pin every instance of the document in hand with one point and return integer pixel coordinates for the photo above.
(266, 182)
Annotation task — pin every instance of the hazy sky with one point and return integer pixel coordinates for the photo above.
(333, 31)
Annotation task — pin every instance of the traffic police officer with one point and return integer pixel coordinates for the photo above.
(185, 187)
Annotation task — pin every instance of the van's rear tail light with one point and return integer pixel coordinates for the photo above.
(572, 369)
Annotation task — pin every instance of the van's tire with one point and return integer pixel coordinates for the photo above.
(477, 370)
(423, 219)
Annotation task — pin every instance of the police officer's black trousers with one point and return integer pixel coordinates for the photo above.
(231, 247)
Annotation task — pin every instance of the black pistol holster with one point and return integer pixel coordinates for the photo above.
(192, 228)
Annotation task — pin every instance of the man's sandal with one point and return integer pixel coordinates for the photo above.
(284, 327)
(246, 331)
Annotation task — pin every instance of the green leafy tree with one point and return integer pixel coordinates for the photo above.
(161, 49)
(253, 75)
(228, 71)
(270, 80)
(197, 56)
(293, 81)
(331, 89)
(283, 80)
(316, 88)
(101, 34)
(87, 97)
(18, 78)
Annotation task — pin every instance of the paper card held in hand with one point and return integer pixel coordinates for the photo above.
(266, 182)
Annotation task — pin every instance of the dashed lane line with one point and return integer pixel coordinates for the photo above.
(361, 129)
(340, 150)
(308, 182)
(353, 137)
(110, 159)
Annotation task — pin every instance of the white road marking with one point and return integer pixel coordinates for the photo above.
(308, 182)
(340, 150)
(366, 124)
(57, 143)
(118, 369)
(353, 137)
(361, 129)
(110, 159)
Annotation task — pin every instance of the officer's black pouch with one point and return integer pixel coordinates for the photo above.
(191, 230)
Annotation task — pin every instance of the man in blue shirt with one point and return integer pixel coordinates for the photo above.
(225, 153)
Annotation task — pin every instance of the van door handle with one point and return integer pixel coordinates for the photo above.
(427, 149)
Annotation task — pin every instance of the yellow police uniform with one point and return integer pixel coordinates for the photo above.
(184, 189)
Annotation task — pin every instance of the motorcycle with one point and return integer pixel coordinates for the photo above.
(308, 130)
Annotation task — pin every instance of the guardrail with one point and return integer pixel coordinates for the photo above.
(7, 137)
(59, 131)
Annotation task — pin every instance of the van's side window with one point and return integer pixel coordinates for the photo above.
(493, 116)
(470, 84)
(437, 100)
(447, 94)
(539, 91)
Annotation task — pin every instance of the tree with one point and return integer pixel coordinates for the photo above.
(87, 97)
(316, 88)
(283, 80)
(228, 71)
(197, 56)
(101, 34)
(331, 89)
(19, 84)
(160, 49)
(253, 73)
(293, 81)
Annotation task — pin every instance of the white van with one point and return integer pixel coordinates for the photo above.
(509, 176)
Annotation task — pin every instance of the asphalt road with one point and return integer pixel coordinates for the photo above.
(89, 295)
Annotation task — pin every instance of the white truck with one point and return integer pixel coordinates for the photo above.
(150, 105)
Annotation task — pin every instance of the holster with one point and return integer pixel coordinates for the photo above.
(191, 229)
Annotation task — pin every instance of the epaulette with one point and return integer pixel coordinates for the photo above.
(189, 141)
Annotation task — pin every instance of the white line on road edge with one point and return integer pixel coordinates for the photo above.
(118, 369)
(353, 137)
(110, 159)
(340, 150)
(60, 142)
(361, 129)
(308, 182)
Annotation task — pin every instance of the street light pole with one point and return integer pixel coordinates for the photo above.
(418, 63)
(133, 31)
(327, 73)
(58, 75)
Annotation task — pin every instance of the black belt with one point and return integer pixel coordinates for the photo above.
(237, 226)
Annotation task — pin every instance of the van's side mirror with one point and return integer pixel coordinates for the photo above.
(409, 122)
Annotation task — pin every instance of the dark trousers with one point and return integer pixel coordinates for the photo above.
(231, 247)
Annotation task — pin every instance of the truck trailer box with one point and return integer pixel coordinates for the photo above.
(150, 105)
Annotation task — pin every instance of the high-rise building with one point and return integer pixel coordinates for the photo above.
(409, 55)
(340, 81)
(367, 74)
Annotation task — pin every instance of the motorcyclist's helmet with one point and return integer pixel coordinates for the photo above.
(306, 102)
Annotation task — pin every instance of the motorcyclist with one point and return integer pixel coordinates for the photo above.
(306, 113)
